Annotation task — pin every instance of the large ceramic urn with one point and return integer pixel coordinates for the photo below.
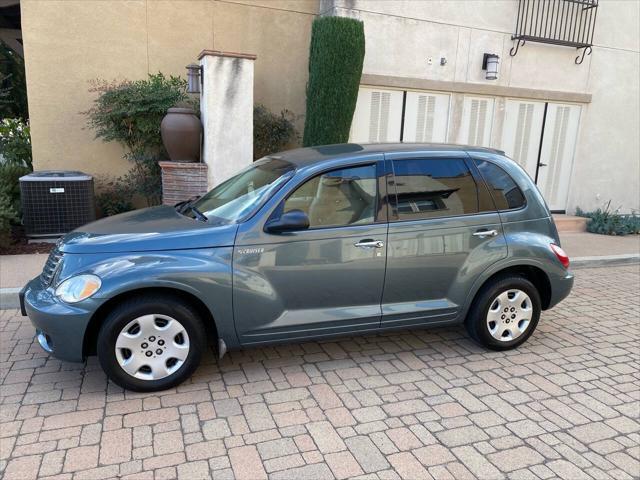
(181, 131)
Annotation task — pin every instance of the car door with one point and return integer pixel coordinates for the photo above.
(443, 232)
(326, 279)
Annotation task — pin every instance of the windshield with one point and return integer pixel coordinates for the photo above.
(241, 195)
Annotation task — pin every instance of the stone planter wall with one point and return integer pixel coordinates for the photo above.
(182, 180)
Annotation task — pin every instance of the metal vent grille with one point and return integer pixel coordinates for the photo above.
(51, 266)
(54, 203)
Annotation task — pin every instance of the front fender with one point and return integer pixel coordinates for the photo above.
(203, 273)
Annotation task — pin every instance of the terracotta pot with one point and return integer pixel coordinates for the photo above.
(181, 131)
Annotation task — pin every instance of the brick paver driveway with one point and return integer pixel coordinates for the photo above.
(415, 405)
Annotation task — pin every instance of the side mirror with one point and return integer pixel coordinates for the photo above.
(288, 222)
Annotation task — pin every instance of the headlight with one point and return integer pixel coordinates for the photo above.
(78, 288)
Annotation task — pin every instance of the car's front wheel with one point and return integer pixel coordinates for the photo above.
(505, 313)
(151, 343)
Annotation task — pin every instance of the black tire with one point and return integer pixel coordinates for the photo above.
(476, 321)
(136, 307)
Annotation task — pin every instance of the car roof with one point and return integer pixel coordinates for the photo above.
(312, 155)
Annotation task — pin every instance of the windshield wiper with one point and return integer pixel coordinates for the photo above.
(187, 205)
(199, 215)
(182, 206)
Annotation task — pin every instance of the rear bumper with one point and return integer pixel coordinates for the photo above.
(60, 327)
(560, 288)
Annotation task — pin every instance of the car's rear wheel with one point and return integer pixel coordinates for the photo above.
(151, 343)
(504, 313)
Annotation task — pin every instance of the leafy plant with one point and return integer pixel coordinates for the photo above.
(13, 84)
(10, 185)
(113, 197)
(8, 216)
(130, 113)
(272, 133)
(15, 142)
(607, 222)
(15, 161)
(335, 66)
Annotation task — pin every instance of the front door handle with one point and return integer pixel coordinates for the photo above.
(485, 233)
(368, 243)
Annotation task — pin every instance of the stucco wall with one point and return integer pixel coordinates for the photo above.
(402, 35)
(70, 42)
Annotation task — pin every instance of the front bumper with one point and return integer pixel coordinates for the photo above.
(60, 327)
(560, 288)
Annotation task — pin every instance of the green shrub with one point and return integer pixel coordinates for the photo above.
(336, 56)
(8, 216)
(272, 133)
(15, 149)
(13, 84)
(606, 222)
(10, 185)
(130, 113)
(15, 142)
(113, 197)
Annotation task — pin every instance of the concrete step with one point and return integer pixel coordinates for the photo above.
(570, 223)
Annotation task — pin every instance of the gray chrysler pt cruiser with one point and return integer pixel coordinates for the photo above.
(306, 244)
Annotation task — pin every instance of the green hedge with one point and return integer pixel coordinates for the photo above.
(335, 66)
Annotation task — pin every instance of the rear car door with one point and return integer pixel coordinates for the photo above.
(443, 232)
(324, 280)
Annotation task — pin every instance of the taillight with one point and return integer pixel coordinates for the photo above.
(561, 254)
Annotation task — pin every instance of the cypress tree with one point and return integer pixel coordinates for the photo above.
(336, 55)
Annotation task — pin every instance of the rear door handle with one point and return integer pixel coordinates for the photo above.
(485, 233)
(368, 243)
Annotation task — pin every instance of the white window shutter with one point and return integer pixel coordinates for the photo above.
(377, 117)
(477, 119)
(521, 132)
(426, 117)
(558, 151)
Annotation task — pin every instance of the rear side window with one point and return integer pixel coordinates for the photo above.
(506, 194)
(431, 188)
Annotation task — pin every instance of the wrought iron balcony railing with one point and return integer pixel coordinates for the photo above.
(558, 22)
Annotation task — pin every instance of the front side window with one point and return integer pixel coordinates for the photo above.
(431, 188)
(241, 195)
(506, 194)
(337, 198)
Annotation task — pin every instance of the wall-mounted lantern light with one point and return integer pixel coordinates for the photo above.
(490, 64)
(195, 77)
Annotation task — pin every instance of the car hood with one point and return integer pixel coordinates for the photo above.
(155, 228)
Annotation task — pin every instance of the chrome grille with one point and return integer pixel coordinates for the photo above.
(50, 268)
